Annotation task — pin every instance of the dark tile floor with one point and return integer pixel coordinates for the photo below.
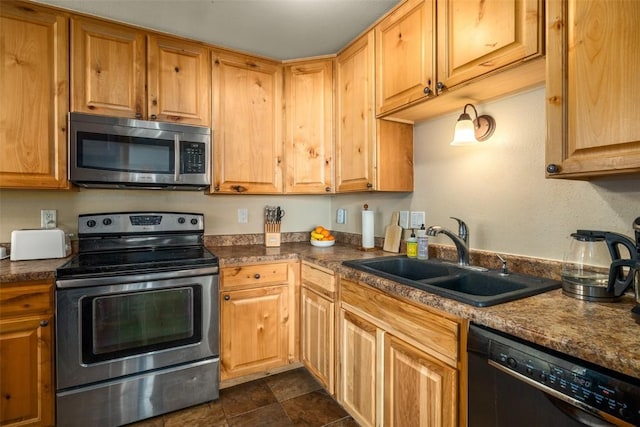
(292, 398)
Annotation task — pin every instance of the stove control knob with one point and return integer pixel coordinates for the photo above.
(91, 223)
(513, 363)
(107, 221)
(194, 221)
(181, 220)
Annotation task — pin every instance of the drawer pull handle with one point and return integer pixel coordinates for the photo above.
(256, 276)
(44, 323)
(227, 297)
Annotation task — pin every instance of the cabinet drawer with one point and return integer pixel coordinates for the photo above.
(432, 332)
(318, 279)
(252, 275)
(25, 298)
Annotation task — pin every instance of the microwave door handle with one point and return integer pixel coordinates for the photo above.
(176, 166)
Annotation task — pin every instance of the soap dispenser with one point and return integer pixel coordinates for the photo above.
(423, 243)
(412, 245)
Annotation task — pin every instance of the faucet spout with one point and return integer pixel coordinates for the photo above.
(461, 242)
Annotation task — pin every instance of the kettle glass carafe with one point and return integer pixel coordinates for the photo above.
(592, 270)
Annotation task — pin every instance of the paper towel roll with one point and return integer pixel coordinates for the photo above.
(367, 229)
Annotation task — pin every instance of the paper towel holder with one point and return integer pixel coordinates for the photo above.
(362, 248)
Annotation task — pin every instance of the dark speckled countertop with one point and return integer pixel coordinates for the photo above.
(604, 334)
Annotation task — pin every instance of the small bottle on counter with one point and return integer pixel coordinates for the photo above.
(412, 245)
(423, 243)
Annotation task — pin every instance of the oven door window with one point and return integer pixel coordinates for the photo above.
(127, 324)
(120, 153)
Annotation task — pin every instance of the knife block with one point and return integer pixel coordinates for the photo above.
(271, 235)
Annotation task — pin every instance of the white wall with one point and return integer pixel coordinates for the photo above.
(498, 187)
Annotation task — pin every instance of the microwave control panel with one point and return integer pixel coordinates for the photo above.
(192, 157)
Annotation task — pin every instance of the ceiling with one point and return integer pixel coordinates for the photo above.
(278, 29)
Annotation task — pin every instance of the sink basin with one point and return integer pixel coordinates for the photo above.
(464, 284)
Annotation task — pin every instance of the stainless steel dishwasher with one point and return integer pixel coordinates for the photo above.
(516, 383)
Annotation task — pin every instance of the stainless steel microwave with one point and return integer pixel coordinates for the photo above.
(113, 152)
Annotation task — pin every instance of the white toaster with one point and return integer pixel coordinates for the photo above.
(39, 244)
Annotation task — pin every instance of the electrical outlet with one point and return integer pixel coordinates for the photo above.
(416, 220)
(341, 216)
(404, 219)
(243, 216)
(48, 218)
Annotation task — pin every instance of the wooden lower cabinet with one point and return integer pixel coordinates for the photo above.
(400, 364)
(419, 390)
(26, 352)
(258, 308)
(317, 323)
(358, 368)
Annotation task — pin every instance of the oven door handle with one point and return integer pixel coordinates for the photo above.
(600, 421)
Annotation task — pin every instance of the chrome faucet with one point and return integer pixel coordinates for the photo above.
(461, 239)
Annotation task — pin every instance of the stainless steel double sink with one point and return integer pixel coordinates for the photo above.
(467, 284)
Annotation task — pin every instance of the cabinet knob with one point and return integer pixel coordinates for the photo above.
(239, 188)
(216, 188)
(553, 168)
(153, 117)
(256, 276)
(227, 297)
(369, 185)
(440, 86)
(427, 90)
(44, 323)
(138, 115)
(327, 189)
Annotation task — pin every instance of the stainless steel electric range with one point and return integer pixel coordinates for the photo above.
(136, 319)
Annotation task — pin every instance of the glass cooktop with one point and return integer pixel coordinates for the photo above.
(131, 262)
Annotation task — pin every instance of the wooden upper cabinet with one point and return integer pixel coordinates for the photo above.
(113, 64)
(108, 69)
(179, 81)
(34, 90)
(308, 94)
(370, 154)
(477, 37)
(247, 128)
(405, 65)
(355, 120)
(592, 88)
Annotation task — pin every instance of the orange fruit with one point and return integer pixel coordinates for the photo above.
(325, 233)
(319, 229)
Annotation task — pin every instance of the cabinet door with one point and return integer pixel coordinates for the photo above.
(592, 88)
(317, 340)
(254, 327)
(26, 375)
(107, 69)
(405, 64)
(179, 81)
(358, 368)
(475, 38)
(418, 389)
(308, 88)
(34, 85)
(247, 129)
(355, 122)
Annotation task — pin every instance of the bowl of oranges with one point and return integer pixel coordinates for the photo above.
(321, 237)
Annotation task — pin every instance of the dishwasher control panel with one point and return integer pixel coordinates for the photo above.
(591, 389)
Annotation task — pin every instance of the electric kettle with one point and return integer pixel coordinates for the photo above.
(594, 268)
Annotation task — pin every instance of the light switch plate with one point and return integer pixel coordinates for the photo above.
(404, 219)
(417, 219)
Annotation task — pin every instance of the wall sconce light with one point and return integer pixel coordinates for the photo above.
(470, 131)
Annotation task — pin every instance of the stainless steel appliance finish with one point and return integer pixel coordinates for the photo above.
(137, 320)
(515, 383)
(112, 152)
